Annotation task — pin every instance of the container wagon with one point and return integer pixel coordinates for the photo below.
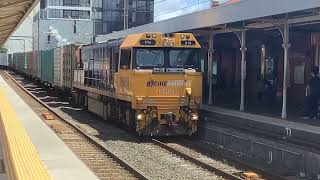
(10, 61)
(19, 62)
(3, 60)
(70, 59)
(57, 68)
(30, 63)
(36, 71)
(46, 64)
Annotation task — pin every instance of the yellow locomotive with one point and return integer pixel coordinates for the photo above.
(149, 81)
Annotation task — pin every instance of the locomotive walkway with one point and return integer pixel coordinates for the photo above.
(31, 149)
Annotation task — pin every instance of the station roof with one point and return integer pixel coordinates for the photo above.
(255, 13)
(12, 14)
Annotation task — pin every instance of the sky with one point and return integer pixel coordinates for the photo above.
(165, 9)
(21, 39)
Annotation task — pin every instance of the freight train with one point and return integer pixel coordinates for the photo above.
(150, 82)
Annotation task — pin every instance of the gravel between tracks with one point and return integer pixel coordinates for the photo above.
(149, 159)
(203, 158)
(100, 163)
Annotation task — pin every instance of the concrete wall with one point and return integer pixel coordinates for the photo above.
(61, 33)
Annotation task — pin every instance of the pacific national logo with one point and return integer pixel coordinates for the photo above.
(169, 83)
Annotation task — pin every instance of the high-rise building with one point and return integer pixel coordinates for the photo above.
(57, 9)
(166, 9)
(59, 22)
(110, 14)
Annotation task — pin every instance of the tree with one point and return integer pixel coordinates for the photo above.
(3, 50)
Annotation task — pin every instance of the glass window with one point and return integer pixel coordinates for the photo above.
(183, 58)
(85, 3)
(71, 3)
(97, 15)
(149, 58)
(125, 59)
(97, 3)
(55, 2)
(84, 14)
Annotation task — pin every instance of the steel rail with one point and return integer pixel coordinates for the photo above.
(87, 136)
(197, 162)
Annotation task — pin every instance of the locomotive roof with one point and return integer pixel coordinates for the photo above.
(158, 39)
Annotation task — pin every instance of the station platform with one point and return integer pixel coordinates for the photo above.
(31, 149)
(296, 132)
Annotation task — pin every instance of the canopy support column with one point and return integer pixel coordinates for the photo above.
(286, 46)
(210, 67)
(242, 38)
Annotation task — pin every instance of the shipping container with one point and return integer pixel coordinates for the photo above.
(19, 62)
(30, 63)
(10, 60)
(36, 64)
(4, 59)
(78, 77)
(70, 61)
(57, 67)
(47, 65)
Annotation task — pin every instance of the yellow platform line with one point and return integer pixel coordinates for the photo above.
(22, 162)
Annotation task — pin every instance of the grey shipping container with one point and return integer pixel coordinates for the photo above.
(4, 59)
(70, 61)
(57, 67)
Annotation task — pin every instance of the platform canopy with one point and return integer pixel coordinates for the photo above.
(12, 14)
(248, 14)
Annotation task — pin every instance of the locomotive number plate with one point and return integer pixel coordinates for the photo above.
(148, 42)
(188, 43)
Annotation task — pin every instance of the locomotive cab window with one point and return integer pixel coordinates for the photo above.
(149, 58)
(184, 58)
(125, 59)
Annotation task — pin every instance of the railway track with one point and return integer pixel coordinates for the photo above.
(181, 151)
(102, 162)
(126, 156)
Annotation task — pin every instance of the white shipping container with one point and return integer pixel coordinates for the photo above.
(3, 59)
(57, 67)
(78, 78)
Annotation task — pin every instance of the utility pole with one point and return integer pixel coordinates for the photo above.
(38, 55)
(126, 14)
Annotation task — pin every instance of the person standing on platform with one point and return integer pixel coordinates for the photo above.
(312, 94)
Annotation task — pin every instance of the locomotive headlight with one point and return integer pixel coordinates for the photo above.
(189, 91)
(154, 36)
(140, 117)
(194, 117)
